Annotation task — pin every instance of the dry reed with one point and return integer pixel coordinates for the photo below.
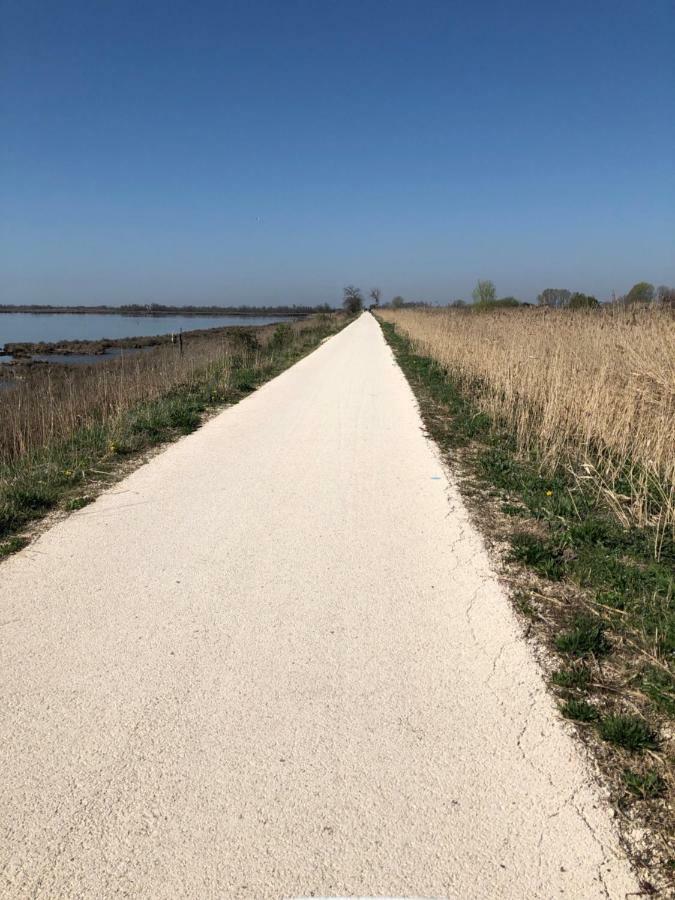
(594, 391)
(50, 403)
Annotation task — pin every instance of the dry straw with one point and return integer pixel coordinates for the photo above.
(48, 406)
(594, 391)
(50, 403)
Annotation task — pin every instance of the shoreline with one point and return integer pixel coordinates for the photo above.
(23, 352)
(162, 312)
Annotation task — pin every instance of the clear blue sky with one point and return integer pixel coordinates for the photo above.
(268, 152)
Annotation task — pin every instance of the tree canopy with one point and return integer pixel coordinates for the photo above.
(642, 292)
(484, 292)
(583, 301)
(554, 297)
(353, 299)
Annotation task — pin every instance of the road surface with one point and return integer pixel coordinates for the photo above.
(274, 661)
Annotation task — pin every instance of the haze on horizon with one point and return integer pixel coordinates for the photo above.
(264, 153)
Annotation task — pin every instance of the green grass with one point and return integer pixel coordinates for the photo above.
(659, 685)
(629, 732)
(41, 481)
(647, 786)
(547, 558)
(77, 503)
(579, 711)
(13, 545)
(510, 509)
(586, 637)
(577, 678)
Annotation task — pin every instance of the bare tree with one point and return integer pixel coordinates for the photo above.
(375, 294)
(353, 299)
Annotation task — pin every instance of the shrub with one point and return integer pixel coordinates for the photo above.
(282, 337)
(583, 301)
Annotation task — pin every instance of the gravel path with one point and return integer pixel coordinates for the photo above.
(274, 661)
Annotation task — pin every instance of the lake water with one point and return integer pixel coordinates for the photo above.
(34, 327)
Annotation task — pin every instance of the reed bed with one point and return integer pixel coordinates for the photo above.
(590, 391)
(64, 430)
(50, 403)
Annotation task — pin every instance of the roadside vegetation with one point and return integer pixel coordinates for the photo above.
(591, 394)
(560, 426)
(67, 431)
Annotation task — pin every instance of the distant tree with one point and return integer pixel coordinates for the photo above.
(484, 292)
(502, 303)
(642, 292)
(458, 304)
(353, 299)
(583, 301)
(554, 297)
(375, 294)
(398, 302)
(506, 302)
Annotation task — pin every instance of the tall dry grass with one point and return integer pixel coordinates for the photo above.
(50, 403)
(593, 391)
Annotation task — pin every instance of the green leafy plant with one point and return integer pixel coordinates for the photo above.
(547, 558)
(577, 678)
(78, 503)
(585, 637)
(580, 711)
(646, 786)
(629, 732)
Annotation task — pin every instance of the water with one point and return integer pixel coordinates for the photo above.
(35, 327)
(86, 359)
(71, 359)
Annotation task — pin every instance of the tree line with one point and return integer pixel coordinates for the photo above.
(484, 296)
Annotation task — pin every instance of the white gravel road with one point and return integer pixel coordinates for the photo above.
(274, 661)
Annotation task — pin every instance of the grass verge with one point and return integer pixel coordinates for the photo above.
(592, 592)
